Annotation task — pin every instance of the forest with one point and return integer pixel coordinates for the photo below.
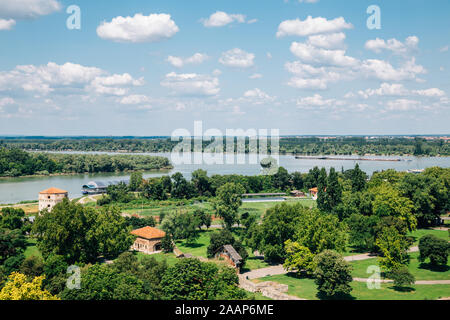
(288, 145)
(15, 163)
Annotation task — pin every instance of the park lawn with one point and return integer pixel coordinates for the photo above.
(307, 289)
(253, 262)
(259, 208)
(301, 287)
(420, 271)
(199, 247)
(32, 249)
(169, 257)
(417, 234)
(259, 297)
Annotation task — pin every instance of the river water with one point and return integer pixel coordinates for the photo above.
(13, 190)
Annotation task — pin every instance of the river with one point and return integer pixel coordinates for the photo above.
(13, 190)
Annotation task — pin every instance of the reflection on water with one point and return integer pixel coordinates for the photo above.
(20, 189)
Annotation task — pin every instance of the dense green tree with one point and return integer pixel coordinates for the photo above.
(333, 274)
(297, 180)
(227, 202)
(394, 248)
(81, 234)
(136, 180)
(181, 188)
(298, 258)
(12, 218)
(361, 231)
(12, 246)
(402, 277)
(154, 189)
(388, 202)
(282, 179)
(190, 279)
(358, 179)
(32, 266)
(181, 225)
(201, 182)
(435, 249)
(167, 244)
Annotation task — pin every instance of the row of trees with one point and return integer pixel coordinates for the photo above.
(297, 145)
(15, 162)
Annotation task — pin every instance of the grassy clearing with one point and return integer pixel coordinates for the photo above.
(32, 249)
(169, 257)
(307, 289)
(199, 248)
(420, 271)
(417, 234)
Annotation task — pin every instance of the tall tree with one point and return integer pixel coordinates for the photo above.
(227, 202)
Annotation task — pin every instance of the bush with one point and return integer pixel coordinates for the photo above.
(402, 277)
(435, 249)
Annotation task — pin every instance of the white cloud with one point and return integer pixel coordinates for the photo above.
(310, 54)
(397, 47)
(328, 41)
(432, 92)
(258, 96)
(237, 58)
(51, 77)
(220, 19)
(383, 70)
(179, 62)
(7, 24)
(402, 105)
(308, 1)
(317, 101)
(444, 49)
(134, 99)
(311, 26)
(27, 9)
(256, 76)
(140, 28)
(310, 77)
(191, 84)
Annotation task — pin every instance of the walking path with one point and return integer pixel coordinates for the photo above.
(278, 269)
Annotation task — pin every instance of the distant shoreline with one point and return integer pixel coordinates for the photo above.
(83, 173)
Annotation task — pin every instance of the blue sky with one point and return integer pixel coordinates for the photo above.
(149, 67)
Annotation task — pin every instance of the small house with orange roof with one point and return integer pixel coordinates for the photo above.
(313, 192)
(51, 197)
(148, 240)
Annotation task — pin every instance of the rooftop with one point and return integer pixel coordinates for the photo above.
(236, 257)
(53, 191)
(149, 233)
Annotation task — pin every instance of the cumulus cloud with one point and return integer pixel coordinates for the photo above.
(237, 58)
(27, 9)
(311, 26)
(179, 62)
(383, 70)
(317, 101)
(402, 105)
(311, 54)
(309, 77)
(140, 28)
(191, 84)
(255, 76)
(220, 19)
(48, 78)
(328, 41)
(394, 45)
(257, 96)
(7, 24)
(135, 99)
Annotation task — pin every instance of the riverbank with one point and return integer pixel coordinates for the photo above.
(65, 174)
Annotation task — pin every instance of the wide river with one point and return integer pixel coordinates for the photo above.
(13, 190)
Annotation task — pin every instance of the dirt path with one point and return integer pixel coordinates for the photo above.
(278, 269)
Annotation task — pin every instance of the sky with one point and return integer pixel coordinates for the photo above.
(144, 68)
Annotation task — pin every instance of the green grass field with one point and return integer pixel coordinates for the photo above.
(307, 289)
(169, 257)
(417, 234)
(420, 271)
(32, 249)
